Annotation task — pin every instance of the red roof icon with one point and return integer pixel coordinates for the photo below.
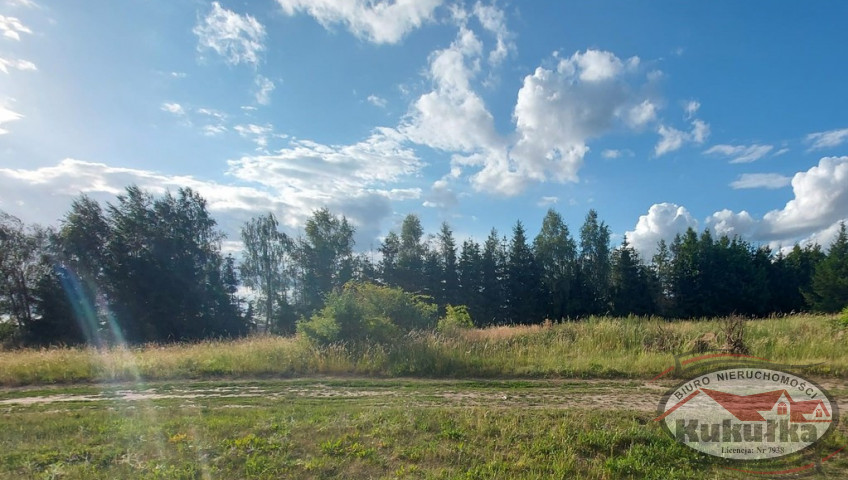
(747, 408)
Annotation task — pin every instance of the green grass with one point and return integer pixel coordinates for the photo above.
(598, 347)
(394, 437)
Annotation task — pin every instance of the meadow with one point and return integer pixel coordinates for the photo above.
(350, 428)
(563, 400)
(599, 347)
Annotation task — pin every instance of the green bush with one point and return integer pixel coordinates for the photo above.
(367, 311)
(455, 319)
(843, 319)
(8, 333)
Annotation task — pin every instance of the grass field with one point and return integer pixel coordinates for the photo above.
(596, 348)
(348, 428)
(570, 400)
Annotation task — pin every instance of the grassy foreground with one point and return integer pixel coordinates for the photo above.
(387, 429)
(598, 347)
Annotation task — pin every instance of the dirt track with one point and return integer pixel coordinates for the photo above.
(557, 394)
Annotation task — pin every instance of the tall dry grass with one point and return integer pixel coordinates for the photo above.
(598, 347)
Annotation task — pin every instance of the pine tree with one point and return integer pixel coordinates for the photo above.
(556, 255)
(829, 289)
(470, 279)
(631, 283)
(595, 264)
(523, 280)
(449, 291)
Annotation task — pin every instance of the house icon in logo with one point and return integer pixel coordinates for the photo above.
(756, 407)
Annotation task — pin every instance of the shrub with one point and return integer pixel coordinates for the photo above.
(8, 333)
(843, 318)
(733, 329)
(455, 319)
(367, 311)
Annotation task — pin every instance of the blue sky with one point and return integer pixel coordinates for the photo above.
(660, 115)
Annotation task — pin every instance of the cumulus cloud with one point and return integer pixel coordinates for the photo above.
(662, 222)
(730, 224)
(740, 153)
(828, 139)
(12, 28)
(378, 21)
(7, 116)
(691, 108)
(641, 114)
(452, 116)
(558, 111)
(264, 87)
(821, 198)
(237, 38)
(23, 65)
(761, 180)
(493, 20)
(672, 139)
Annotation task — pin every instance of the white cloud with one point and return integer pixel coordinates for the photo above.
(741, 153)
(593, 65)
(174, 108)
(828, 139)
(730, 224)
(641, 114)
(613, 153)
(441, 194)
(23, 65)
(493, 20)
(7, 116)
(377, 101)
(237, 38)
(264, 88)
(700, 131)
(821, 198)
(547, 201)
(257, 133)
(662, 222)
(557, 112)
(672, 139)
(452, 116)
(691, 108)
(213, 130)
(378, 21)
(22, 3)
(292, 185)
(12, 28)
(761, 180)
(211, 112)
(351, 179)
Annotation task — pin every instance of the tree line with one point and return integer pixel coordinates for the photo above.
(152, 269)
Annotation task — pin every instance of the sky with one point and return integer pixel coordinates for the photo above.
(661, 115)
